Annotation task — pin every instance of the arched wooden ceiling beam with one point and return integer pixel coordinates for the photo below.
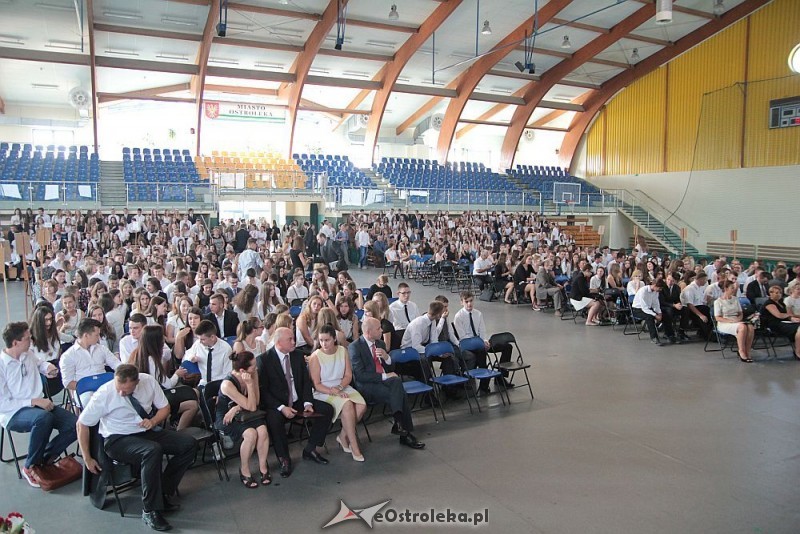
(535, 92)
(610, 88)
(294, 92)
(469, 79)
(198, 82)
(392, 70)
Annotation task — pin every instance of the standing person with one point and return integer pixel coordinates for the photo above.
(130, 410)
(375, 380)
(329, 368)
(239, 392)
(362, 242)
(249, 259)
(23, 406)
(286, 394)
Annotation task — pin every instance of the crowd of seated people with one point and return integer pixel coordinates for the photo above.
(271, 315)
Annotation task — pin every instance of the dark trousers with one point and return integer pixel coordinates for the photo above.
(650, 321)
(40, 423)
(703, 328)
(668, 314)
(276, 424)
(146, 451)
(390, 392)
(506, 351)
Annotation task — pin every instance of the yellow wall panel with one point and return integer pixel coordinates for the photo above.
(774, 31)
(595, 146)
(635, 127)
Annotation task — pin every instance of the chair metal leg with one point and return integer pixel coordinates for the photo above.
(14, 458)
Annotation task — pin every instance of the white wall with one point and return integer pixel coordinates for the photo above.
(760, 203)
(62, 117)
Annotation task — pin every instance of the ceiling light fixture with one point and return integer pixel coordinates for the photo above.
(122, 15)
(223, 61)
(315, 70)
(486, 29)
(355, 74)
(44, 86)
(530, 67)
(63, 45)
(178, 22)
(8, 39)
(635, 57)
(565, 43)
(381, 44)
(719, 8)
(172, 56)
(121, 52)
(283, 2)
(262, 65)
(54, 7)
(663, 11)
(393, 14)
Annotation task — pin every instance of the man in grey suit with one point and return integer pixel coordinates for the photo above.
(374, 379)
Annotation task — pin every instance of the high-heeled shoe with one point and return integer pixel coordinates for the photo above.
(248, 482)
(358, 457)
(266, 478)
(745, 360)
(344, 447)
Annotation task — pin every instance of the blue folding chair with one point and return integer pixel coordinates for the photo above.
(90, 384)
(360, 315)
(476, 344)
(437, 352)
(294, 311)
(230, 340)
(191, 367)
(414, 388)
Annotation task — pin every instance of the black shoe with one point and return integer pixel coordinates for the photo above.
(398, 430)
(315, 456)
(286, 467)
(155, 521)
(657, 342)
(410, 441)
(683, 337)
(171, 503)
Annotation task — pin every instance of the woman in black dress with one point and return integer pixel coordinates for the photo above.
(775, 317)
(297, 256)
(239, 393)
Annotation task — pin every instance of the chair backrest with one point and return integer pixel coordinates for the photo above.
(192, 367)
(230, 340)
(404, 355)
(92, 383)
(208, 402)
(393, 299)
(472, 344)
(360, 315)
(294, 311)
(439, 349)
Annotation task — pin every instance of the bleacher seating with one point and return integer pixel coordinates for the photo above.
(262, 170)
(340, 170)
(454, 182)
(41, 173)
(159, 175)
(541, 178)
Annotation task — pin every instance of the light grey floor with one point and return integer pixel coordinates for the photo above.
(623, 437)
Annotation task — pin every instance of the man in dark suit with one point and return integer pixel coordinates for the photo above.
(331, 255)
(241, 237)
(286, 395)
(669, 299)
(758, 288)
(223, 319)
(374, 379)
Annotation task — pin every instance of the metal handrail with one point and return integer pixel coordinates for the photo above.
(159, 196)
(672, 213)
(26, 189)
(658, 212)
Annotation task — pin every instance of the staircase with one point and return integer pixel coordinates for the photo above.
(389, 191)
(113, 192)
(656, 229)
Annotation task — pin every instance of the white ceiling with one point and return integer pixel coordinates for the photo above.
(50, 25)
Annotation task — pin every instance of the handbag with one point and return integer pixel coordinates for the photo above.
(60, 473)
(245, 416)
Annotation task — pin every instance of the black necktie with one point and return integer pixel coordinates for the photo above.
(405, 307)
(208, 365)
(472, 325)
(140, 410)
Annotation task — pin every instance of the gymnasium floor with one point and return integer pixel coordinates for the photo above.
(623, 437)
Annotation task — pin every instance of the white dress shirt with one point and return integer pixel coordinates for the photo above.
(115, 413)
(77, 362)
(647, 300)
(221, 364)
(481, 264)
(463, 327)
(128, 344)
(420, 332)
(18, 388)
(399, 318)
(249, 259)
(694, 295)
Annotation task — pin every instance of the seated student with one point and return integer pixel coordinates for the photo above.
(285, 393)
(374, 379)
(546, 286)
(793, 301)
(647, 308)
(210, 353)
(402, 312)
(224, 320)
(758, 288)
(424, 329)
(698, 311)
(86, 357)
(468, 322)
(128, 344)
(779, 320)
(482, 269)
(298, 290)
(149, 357)
(23, 406)
(670, 300)
(730, 319)
(124, 410)
(240, 391)
(582, 297)
(381, 285)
